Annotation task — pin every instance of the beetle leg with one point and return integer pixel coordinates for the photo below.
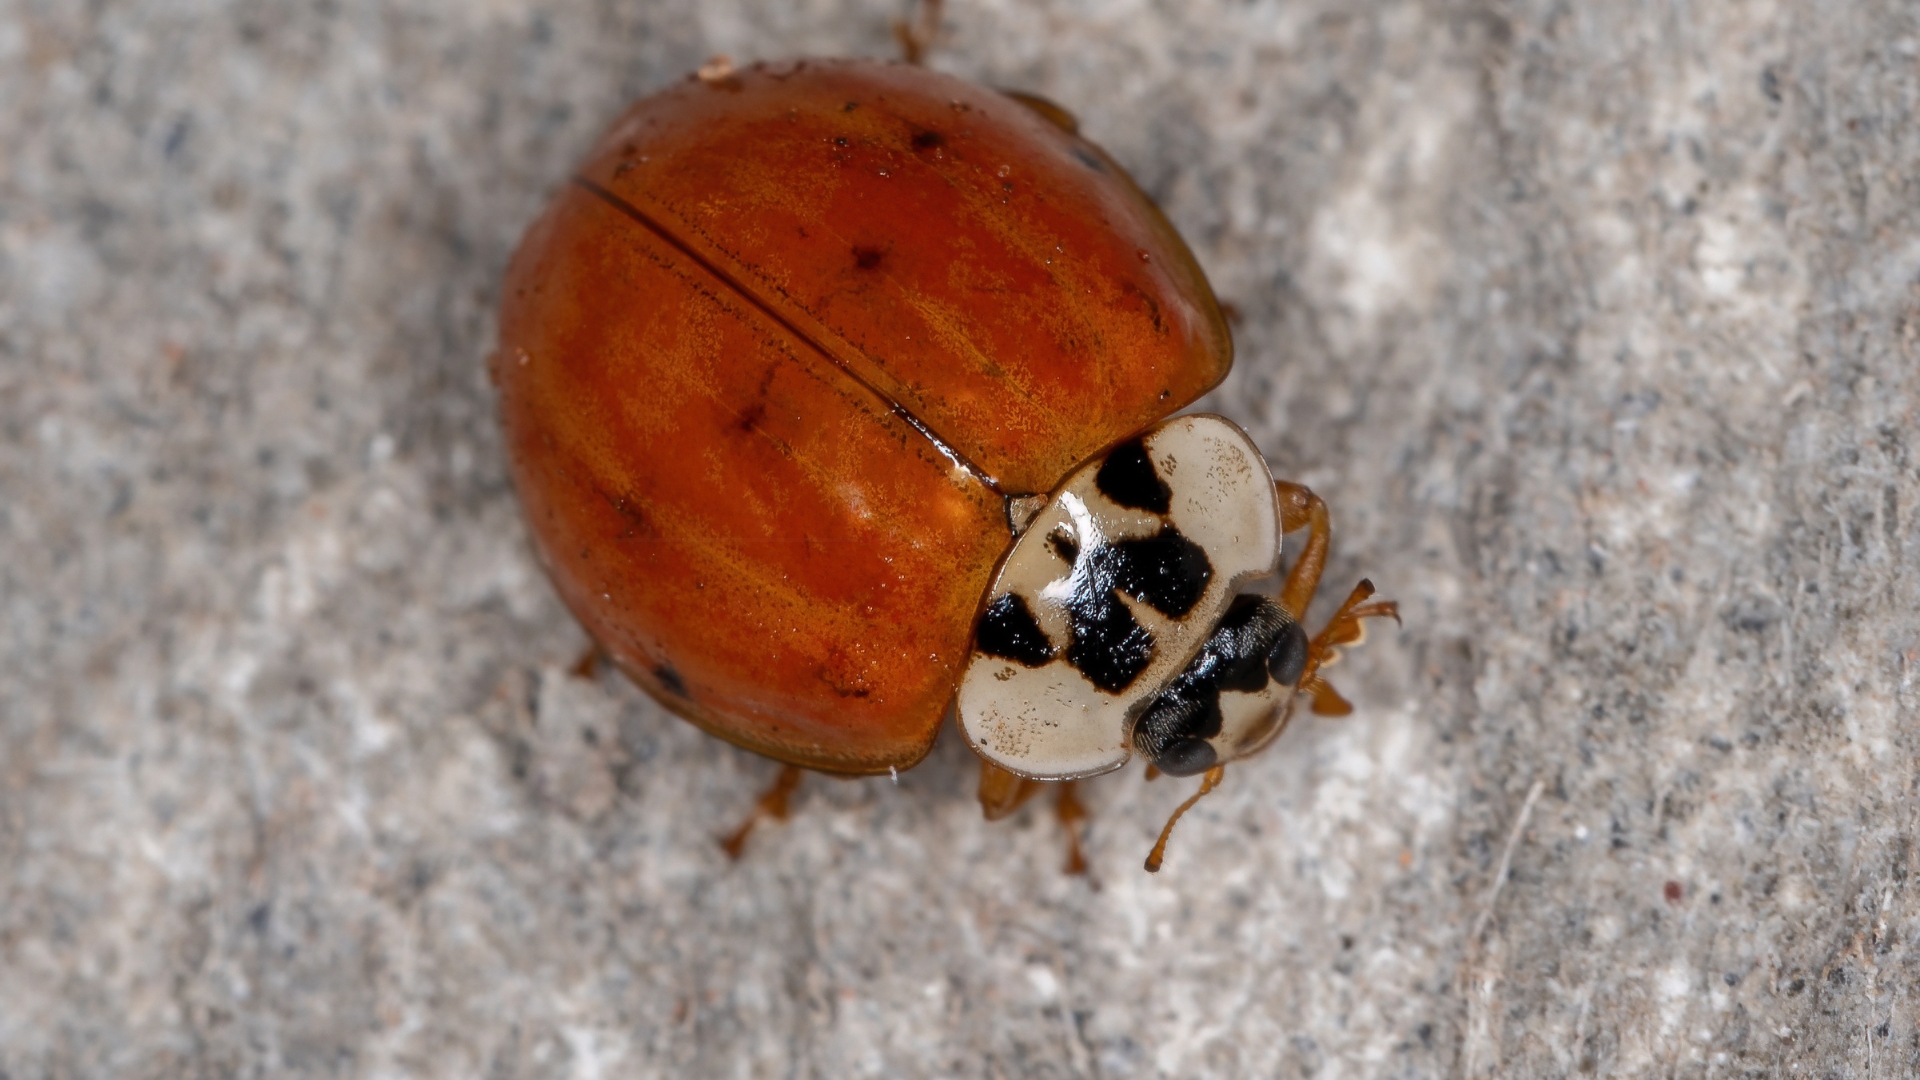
(1207, 783)
(1300, 508)
(588, 665)
(918, 35)
(1001, 792)
(1071, 813)
(1344, 630)
(772, 804)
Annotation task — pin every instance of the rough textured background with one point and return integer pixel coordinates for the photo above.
(1596, 325)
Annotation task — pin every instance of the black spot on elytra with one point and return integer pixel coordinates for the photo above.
(1153, 312)
(1147, 301)
(1008, 630)
(631, 511)
(1166, 571)
(1238, 656)
(1129, 479)
(866, 258)
(670, 680)
(1090, 159)
(750, 418)
(924, 141)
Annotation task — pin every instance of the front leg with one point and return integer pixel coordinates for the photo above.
(1001, 793)
(772, 804)
(1300, 508)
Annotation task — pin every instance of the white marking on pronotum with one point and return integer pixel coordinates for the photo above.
(1050, 722)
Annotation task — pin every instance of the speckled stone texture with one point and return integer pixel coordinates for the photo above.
(1597, 326)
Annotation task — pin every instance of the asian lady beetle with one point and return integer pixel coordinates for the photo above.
(835, 396)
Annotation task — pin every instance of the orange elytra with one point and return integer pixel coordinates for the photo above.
(836, 393)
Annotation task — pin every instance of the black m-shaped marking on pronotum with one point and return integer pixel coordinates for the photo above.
(1167, 572)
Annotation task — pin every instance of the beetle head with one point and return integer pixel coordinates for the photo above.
(1231, 700)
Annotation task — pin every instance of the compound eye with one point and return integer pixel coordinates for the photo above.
(1288, 657)
(1187, 757)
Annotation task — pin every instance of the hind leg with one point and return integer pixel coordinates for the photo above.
(772, 804)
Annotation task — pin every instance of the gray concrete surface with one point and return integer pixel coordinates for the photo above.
(1596, 324)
